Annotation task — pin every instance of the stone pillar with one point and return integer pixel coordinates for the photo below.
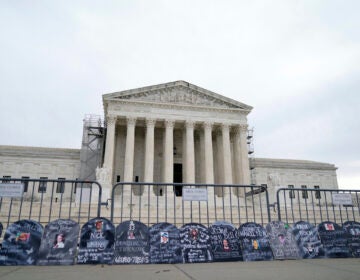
(238, 172)
(244, 156)
(168, 175)
(209, 161)
(219, 158)
(110, 143)
(129, 150)
(149, 158)
(226, 154)
(190, 155)
(105, 174)
(237, 156)
(149, 151)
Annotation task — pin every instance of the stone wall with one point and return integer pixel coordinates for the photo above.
(36, 162)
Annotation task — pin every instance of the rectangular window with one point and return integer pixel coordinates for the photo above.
(25, 183)
(117, 178)
(291, 192)
(60, 185)
(42, 185)
(136, 178)
(6, 179)
(317, 193)
(304, 192)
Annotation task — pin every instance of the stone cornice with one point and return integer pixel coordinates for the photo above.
(290, 164)
(175, 106)
(39, 152)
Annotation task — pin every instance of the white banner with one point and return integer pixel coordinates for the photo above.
(342, 199)
(189, 194)
(11, 189)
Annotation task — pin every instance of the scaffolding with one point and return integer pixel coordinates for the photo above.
(250, 145)
(91, 153)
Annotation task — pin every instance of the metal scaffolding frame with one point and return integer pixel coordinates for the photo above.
(91, 153)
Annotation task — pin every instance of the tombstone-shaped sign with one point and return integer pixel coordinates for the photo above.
(131, 243)
(282, 241)
(195, 243)
(97, 239)
(255, 243)
(225, 243)
(308, 240)
(165, 243)
(353, 233)
(334, 240)
(59, 242)
(21, 243)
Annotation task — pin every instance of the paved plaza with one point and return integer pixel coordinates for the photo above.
(280, 270)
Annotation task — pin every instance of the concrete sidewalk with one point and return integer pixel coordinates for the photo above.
(280, 270)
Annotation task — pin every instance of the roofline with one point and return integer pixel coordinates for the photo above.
(173, 84)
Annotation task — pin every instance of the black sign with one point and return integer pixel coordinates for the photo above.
(282, 241)
(59, 242)
(21, 243)
(334, 239)
(353, 233)
(308, 240)
(165, 244)
(225, 242)
(195, 243)
(97, 242)
(255, 243)
(132, 243)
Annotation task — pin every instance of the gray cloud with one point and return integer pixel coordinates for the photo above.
(296, 62)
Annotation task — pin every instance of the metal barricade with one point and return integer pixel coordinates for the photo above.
(152, 203)
(317, 205)
(45, 200)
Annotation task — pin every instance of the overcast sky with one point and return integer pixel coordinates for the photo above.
(296, 62)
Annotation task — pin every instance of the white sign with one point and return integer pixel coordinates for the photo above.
(11, 189)
(189, 194)
(342, 199)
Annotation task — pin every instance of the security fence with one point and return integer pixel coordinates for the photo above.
(187, 203)
(317, 205)
(45, 200)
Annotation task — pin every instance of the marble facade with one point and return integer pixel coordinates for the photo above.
(173, 132)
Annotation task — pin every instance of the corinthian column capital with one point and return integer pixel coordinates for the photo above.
(169, 123)
(131, 120)
(150, 122)
(111, 119)
(243, 127)
(208, 125)
(189, 124)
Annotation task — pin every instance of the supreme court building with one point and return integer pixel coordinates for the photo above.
(170, 133)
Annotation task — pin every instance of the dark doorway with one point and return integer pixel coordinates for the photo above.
(178, 178)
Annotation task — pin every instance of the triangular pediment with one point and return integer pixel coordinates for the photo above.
(178, 93)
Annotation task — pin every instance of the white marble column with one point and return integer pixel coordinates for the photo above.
(244, 156)
(129, 150)
(168, 175)
(237, 155)
(149, 151)
(149, 159)
(190, 155)
(237, 162)
(105, 174)
(209, 161)
(226, 154)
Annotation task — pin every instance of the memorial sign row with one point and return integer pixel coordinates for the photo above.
(26, 242)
